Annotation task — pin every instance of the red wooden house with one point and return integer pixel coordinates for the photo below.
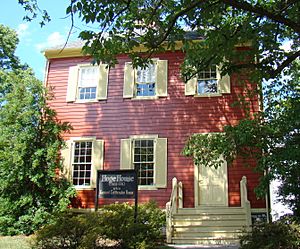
(125, 118)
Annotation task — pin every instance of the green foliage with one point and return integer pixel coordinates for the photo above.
(30, 139)
(157, 25)
(112, 227)
(8, 44)
(280, 234)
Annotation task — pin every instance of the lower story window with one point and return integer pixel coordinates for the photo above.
(144, 160)
(82, 163)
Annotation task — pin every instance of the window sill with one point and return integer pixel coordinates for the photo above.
(147, 188)
(145, 98)
(205, 95)
(83, 188)
(86, 101)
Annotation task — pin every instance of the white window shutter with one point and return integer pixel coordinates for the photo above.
(162, 78)
(72, 84)
(126, 154)
(128, 80)
(223, 82)
(97, 157)
(161, 162)
(102, 82)
(190, 86)
(66, 156)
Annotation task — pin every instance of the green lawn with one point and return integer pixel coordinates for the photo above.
(14, 242)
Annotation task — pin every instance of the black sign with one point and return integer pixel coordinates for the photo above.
(117, 184)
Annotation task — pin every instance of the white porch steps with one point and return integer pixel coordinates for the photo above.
(208, 225)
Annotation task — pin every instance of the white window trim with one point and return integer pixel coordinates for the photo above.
(208, 95)
(161, 158)
(213, 94)
(154, 138)
(205, 95)
(81, 139)
(154, 61)
(78, 100)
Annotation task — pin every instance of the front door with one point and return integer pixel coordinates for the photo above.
(213, 186)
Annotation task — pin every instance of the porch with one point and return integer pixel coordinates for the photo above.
(206, 225)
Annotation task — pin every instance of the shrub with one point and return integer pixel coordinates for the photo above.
(282, 234)
(111, 227)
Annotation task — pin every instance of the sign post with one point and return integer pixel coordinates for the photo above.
(117, 184)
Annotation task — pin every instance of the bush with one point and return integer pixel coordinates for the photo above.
(282, 234)
(111, 227)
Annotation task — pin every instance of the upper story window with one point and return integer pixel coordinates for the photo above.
(149, 82)
(208, 82)
(87, 83)
(145, 81)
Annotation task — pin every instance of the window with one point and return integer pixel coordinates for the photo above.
(144, 160)
(208, 83)
(87, 83)
(146, 82)
(82, 163)
(149, 154)
(82, 157)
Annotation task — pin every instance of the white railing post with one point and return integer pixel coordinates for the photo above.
(174, 196)
(180, 195)
(169, 222)
(245, 203)
(176, 201)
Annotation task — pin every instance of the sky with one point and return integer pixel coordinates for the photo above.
(32, 38)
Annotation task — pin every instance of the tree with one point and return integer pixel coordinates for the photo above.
(221, 25)
(30, 140)
(8, 44)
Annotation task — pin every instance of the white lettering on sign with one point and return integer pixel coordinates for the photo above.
(116, 178)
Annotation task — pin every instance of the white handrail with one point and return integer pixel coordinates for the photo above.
(176, 201)
(245, 203)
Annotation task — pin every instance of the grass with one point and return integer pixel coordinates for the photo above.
(14, 242)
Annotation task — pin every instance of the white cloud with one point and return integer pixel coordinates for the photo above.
(22, 30)
(53, 40)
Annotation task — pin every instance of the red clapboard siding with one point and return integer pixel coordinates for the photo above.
(175, 117)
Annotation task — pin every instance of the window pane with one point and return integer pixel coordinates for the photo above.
(146, 75)
(207, 81)
(88, 76)
(145, 81)
(143, 160)
(82, 163)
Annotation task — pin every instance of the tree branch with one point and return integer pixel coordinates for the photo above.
(260, 11)
(284, 64)
(174, 19)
